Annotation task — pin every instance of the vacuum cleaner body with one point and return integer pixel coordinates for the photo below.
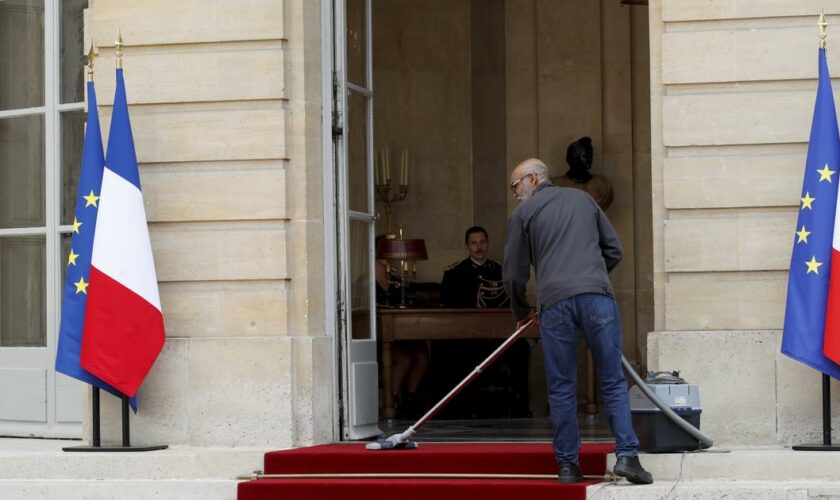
(656, 432)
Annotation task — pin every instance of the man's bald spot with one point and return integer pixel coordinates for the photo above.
(530, 166)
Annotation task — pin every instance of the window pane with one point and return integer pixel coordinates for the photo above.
(22, 295)
(65, 253)
(356, 67)
(21, 54)
(22, 171)
(357, 143)
(72, 139)
(360, 278)
(72, 50)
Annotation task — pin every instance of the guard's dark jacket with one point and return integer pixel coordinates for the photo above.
(570, 242)
(468, 285)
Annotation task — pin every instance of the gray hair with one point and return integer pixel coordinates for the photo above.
(539, 169)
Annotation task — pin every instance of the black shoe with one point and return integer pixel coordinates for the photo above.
(630, 468)
(569, 473)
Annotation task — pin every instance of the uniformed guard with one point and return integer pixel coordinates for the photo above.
(475, 281)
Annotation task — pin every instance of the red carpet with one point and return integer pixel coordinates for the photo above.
(464, 458)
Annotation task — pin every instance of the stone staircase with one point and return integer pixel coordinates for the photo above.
(37, 468)
(737, 474)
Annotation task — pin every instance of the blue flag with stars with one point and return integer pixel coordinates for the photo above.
(810, 262)
(74, 297)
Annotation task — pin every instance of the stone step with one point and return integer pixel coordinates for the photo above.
(38, 459)
(109, 489)
(715, 490)
(742, 464)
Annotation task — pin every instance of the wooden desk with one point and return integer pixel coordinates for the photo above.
(435, 324)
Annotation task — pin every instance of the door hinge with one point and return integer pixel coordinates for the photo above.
(337, 128)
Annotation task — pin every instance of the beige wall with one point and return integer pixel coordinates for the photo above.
(732, 92)
(575, 69)
(456, 81)
(422, 100)
(225, 102)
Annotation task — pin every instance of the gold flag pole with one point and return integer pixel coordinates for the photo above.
(118, 45)
(822, 25)
(91, 55)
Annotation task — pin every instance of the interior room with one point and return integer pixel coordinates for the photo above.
(463, 91)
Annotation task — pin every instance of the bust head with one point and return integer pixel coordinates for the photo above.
(579, 158)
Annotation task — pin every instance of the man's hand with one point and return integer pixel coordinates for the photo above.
(531, 316)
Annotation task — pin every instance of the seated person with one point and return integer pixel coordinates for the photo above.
(476, 282)
(410, 358)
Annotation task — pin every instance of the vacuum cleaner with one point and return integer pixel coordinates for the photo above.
(402, 441)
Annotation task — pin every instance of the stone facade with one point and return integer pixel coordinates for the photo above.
(226, 107)
(225, 101)
(732, 93)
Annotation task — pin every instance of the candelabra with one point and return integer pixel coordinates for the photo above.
(385, 191)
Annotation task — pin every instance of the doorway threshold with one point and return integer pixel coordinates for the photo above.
(497, 429)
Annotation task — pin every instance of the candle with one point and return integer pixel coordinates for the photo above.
(376, 168)
(387, 165)
(407, 168)
(403, 162)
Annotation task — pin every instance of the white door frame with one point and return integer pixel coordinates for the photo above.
(356, 364)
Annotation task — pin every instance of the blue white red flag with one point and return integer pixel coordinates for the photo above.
(77, 279)
(809, 311)
(123, 324)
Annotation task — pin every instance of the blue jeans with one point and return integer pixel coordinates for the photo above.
(598, 318)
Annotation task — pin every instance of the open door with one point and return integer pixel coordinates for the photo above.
(353, 136)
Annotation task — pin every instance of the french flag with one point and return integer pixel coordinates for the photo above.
(123, 332)
(831, 342)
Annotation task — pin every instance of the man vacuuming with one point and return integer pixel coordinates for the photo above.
(572, 246)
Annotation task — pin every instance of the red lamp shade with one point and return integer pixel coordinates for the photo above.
(401, 249)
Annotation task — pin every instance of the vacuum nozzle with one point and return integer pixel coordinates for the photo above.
(400, 441)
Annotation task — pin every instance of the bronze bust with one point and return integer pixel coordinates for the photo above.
(579, 157)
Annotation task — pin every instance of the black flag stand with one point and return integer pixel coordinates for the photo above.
(826, 444)
(126, 441)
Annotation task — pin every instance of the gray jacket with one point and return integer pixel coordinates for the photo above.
(570, 242)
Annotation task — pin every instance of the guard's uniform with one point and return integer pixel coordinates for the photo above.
(469, 285)
(503, 390)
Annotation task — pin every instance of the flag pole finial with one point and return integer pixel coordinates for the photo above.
(118, 44)
(822, 25)
(90, 57)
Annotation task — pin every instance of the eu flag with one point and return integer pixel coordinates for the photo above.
(810, 263)
(74, 297)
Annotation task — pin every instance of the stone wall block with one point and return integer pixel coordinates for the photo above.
(214, 191)
(710, 303)
(717, 55)
(733, 181)
(168, 74)
(158, 22)
(224, 308)
(219, 251)
(799, 406)
(710, 10)
(239, 392)
(730, 242)
(205, 131)
(736, 375)
(162, 402)
(737, 118)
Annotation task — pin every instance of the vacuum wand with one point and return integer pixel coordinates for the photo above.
(403, 440)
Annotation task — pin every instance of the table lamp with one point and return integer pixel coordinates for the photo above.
(404, 251)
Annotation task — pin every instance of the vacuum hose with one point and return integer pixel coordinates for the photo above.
(704, 440)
